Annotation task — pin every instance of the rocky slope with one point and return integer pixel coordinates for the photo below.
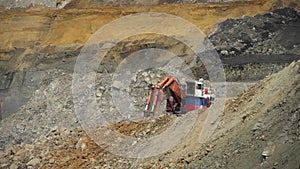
(248, 64)
(261, 123)
(39, 50)
(11, 4)
(253, 47)
(273, 33)
(95, 3)
(260, 128)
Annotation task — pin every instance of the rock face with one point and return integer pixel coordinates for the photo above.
(17, 87)
(254, 47)
(274, 33)
(258, 128)
(42, 26)
(95, 3)
(246, 64)
(7, 4)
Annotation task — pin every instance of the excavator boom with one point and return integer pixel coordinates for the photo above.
(168, 89)
(179, 98)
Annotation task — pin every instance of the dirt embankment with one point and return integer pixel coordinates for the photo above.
(260, 128)
(39, 30)
(28, 31)
(39, 26)
(262, 124)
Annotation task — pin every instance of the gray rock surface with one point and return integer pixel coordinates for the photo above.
(273, 33)
(95, 3)
(9, 4)
(242, 58)
(264, 135)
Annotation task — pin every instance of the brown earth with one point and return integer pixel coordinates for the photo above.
(41, 30)
(27, 28)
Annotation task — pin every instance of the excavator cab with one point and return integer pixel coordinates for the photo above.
(198, 95)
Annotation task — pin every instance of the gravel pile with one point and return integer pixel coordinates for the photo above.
(273, 33)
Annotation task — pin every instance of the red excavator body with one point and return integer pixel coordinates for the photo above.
(169, 89)
(180, 98)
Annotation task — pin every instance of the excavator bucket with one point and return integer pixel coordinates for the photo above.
(155, 97)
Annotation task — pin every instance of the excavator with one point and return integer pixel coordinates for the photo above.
(180, 98)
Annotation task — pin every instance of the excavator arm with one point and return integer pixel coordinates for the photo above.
(168, 89)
